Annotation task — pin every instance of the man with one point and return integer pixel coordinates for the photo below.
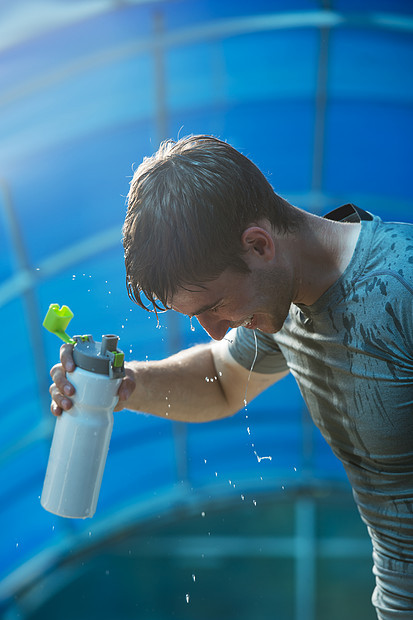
(327, 299)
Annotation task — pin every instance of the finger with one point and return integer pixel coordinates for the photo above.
(59, 401)
(59, 378)
(126, 388)
(55, 409)
(66, 357)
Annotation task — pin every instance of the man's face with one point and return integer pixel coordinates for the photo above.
(257, 300)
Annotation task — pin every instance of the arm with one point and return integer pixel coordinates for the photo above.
(196, 385)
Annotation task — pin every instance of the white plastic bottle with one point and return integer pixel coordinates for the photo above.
(82, 434)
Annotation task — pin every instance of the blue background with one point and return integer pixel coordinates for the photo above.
(318, 94)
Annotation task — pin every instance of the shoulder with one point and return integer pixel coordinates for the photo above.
(390, 251)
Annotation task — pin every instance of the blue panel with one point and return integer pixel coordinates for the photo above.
(68, 46)
(384, 62)
(362, 140)
(265, 65)
(268, 128)
(20, 390)
(266, 137)
(8, 258)
(102, 174)
(403, 7)
(187, 13)
(24, 515)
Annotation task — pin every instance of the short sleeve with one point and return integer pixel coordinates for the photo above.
(256, 350)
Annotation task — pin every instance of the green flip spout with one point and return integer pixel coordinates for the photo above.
(56, 321)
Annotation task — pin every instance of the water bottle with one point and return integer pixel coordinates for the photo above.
(82, 434)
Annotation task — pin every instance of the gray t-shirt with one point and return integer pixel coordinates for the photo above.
(351, 354)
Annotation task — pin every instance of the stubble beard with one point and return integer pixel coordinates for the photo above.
(276, 295)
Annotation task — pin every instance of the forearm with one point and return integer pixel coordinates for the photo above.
(183, 387)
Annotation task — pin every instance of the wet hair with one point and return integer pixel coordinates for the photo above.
(188, 206)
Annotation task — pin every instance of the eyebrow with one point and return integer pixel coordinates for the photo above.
(207, 307)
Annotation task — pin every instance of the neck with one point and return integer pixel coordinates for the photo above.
(323, 250)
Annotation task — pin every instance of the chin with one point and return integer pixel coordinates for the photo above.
(269, 324)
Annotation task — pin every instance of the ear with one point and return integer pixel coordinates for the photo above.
(258, 243)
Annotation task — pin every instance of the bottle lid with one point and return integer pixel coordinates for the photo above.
(103, 358)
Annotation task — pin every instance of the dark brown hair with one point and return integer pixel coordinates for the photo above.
(188, 206)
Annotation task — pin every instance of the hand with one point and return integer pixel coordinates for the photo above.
(126, 388)
(61, 389)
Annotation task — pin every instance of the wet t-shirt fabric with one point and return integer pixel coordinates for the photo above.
(351, 354)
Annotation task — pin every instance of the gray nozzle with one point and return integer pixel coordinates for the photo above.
(109, 343)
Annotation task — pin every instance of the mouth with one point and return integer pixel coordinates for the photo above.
(248, 322)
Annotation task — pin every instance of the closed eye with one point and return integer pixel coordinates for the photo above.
(213, 310)
(214, 307)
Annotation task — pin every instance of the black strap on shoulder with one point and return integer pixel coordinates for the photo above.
(349, 213)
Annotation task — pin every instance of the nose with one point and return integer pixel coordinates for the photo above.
(216, 328)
